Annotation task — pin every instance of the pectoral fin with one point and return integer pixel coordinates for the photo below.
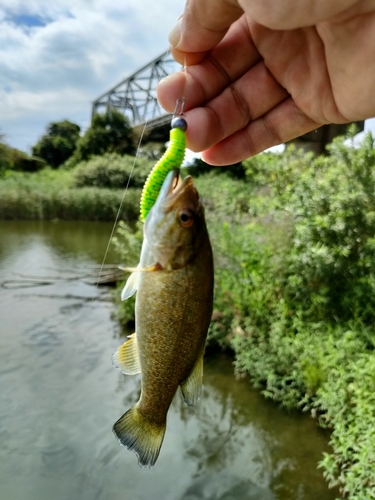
(148, 269)
(130, 286)
(126, 358)
(191, 388)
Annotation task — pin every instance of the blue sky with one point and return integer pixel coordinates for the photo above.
(27, 20)
(57, 56)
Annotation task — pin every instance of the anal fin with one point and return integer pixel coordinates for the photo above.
(126, 358)
(191, 388)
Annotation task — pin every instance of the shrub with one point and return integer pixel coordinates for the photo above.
(112, 171)
(14, 159)
(25, 163)
(332, 264)
(314, 347)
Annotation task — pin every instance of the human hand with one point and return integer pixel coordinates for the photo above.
(263, 72)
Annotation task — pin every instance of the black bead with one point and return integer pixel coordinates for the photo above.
(179, 122)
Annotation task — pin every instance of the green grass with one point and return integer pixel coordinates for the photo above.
(49, 194)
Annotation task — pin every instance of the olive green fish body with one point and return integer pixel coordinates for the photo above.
(174, 285)
(173, 312)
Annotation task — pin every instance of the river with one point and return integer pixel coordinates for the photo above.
(60, 395)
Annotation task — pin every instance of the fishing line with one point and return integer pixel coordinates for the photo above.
(121, 202)
(126, 189)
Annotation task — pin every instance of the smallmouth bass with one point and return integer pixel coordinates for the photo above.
(174, 285)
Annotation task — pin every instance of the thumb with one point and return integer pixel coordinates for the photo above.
(203, 24)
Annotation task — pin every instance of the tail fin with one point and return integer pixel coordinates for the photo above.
(137, 433)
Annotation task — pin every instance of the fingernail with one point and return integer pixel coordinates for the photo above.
(175, 34)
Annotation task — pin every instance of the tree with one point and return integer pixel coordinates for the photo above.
(109, 132)
(58, 144)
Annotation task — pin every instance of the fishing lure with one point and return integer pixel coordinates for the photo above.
(171, 160)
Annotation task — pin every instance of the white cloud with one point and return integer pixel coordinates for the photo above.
(53, 68)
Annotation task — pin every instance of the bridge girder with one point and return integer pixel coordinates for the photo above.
(135, 96)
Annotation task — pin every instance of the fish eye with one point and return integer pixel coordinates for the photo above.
(186, 218)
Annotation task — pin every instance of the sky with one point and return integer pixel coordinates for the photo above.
(57, 56)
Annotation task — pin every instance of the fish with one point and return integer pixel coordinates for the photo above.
(174, 283)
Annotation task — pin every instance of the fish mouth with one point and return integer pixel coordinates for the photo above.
(175, 190)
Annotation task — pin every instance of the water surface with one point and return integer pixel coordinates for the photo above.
(60, 395)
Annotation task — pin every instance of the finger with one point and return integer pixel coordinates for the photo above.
(297, 60)
(292, 14)
(282, 124)
(226, 63)
(245, 100)
(204, 24)
(187, 58)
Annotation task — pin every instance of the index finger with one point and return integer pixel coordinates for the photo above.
(227, 62)
(203, 25)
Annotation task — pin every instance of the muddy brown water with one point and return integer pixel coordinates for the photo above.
(60, 395)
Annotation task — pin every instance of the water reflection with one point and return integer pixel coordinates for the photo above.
(252, 443)
(225, 487)
(60, 395)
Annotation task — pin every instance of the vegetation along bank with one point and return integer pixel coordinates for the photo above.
(71, 176)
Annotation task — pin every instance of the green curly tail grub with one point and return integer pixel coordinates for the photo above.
(172, 159)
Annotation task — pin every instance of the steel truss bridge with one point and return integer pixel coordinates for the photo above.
(136, 98)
